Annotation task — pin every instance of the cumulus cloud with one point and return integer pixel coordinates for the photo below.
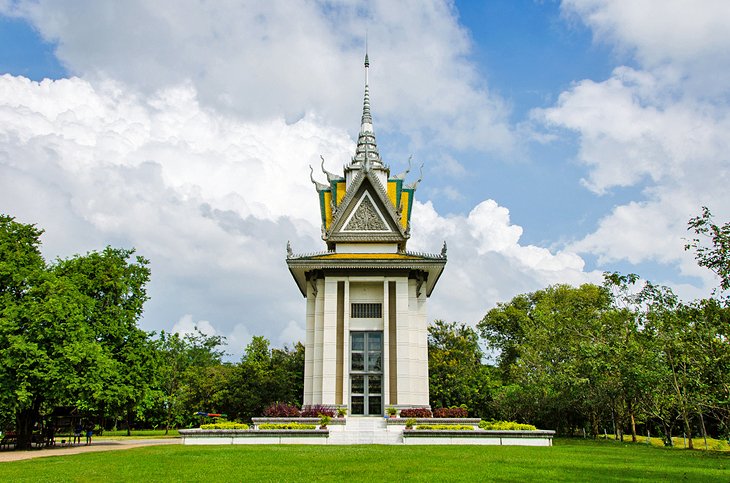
(266, 59)
(660, 125)
(487, 263)
(211, 201)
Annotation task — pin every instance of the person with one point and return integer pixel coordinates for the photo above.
(77, 433)
(89, 433)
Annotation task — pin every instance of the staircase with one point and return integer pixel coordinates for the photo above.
(365, 430)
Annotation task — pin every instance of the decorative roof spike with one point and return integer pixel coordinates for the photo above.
(318, 186)
(367, 148)
(414, 185)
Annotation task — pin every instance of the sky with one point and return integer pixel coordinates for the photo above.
(559, 140)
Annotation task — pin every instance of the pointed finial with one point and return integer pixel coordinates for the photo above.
(367, 62)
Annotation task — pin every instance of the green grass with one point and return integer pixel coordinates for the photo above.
(679, 442)
(568, 460)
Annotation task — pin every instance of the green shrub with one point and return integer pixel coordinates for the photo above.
(446, 427)
(410, 422)
(506, 426)
(225, 425)
(286, 426)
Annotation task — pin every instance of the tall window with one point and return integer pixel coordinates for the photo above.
(366, 373)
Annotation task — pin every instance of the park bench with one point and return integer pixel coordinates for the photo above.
(9, 439)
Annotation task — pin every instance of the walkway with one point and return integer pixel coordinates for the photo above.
(96, 445)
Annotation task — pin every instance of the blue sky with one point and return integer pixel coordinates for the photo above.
(560, 140)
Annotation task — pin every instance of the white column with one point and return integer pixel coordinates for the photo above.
(318, 341)
(403, 341)
(346, 348)
(421, 375)
(309, 347)
(329, 341)
(386, 345)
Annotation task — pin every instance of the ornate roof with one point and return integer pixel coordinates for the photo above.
(370, 209)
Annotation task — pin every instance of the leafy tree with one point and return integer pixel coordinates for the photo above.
(113, 285)
(716, 257)
(181, 361)
(265, 376)
(64, 337)
(456, 373)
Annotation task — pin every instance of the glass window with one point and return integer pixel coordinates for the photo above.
(358, 341)
(374, 384)
(358, 361)
(375, 405)
(358, 405)
(375, 361)
(375, 341)
(357, 384)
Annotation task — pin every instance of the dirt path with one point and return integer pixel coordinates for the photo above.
(97, 445)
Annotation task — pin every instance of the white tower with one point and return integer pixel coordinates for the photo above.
(366, 340)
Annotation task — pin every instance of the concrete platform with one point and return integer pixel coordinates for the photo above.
(367, 430)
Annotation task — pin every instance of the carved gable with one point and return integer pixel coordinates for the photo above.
(366, 217)
(366, 214)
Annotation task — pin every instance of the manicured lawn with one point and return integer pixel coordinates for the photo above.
(568, 460)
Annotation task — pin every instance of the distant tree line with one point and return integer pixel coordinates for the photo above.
(618, 358)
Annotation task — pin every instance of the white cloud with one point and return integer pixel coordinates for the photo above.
(660, 126)
(263, 60)
(486, 262)
(211, 201)
(687, 40)
(186, 326)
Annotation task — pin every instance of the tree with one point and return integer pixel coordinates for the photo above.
(62, 338)
(265, 376)
(180, 361)
(456, 373)
(716, 257)
(113, 284)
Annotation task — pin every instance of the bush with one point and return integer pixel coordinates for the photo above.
(282, 410)
(318, 410)
(506, 426)
(452, 412)
(286, 426)
(416, 413)
(410, 422)
(224, 426)
(446, 427)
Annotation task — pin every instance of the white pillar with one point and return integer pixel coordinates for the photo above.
(329, 341)
(346, 347)
(403, 341)
(318, 342)
(309, 347)
(386, 345)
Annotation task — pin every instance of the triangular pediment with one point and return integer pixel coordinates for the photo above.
(366, 214)
(366, 217)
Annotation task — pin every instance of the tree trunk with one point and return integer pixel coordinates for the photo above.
(704, 432)
(687, 429)
(633, 424)
(25, 422)
(129, 430)
(667, 434)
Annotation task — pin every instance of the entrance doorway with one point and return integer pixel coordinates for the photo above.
(366, 373)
